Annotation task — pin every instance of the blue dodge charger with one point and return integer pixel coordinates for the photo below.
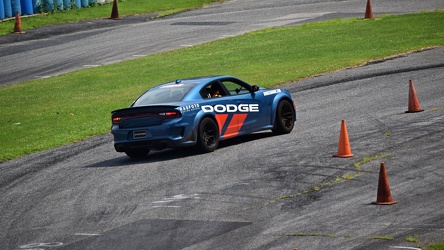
(199, 111)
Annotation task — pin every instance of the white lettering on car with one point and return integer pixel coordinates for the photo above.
(271, 92)
(231, 108)
(191, 107)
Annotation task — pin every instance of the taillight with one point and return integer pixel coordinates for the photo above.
(162, 115)
(170, 114)
(117, 120)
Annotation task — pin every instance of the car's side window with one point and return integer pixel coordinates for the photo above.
(235, 88)
(213, 90)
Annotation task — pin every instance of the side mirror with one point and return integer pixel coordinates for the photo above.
(254, 88)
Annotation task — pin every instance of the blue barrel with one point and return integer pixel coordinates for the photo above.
(2, 10)
(7, 8)
(58, 4)
(36, 6)
(16, 7)
(78, 4)
(48, 5)
(27, 8)
(84, 3)
(66, 4)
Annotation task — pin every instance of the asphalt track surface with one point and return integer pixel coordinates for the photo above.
(255, 192)
(60, 49)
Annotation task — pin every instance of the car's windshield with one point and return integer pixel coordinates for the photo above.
(163, 94)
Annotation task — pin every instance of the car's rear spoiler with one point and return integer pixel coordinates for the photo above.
(157, 108)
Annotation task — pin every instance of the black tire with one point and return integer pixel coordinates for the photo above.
(137, 154)
(207, 135)
(285, 118)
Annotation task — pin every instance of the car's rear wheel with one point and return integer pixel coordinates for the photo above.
(285, 117)
(137, 154)
(208, 135)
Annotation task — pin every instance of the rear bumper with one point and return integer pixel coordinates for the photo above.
(147, 144)
(154, 137)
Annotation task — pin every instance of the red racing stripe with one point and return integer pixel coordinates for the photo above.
(221, 119)
(235, 125)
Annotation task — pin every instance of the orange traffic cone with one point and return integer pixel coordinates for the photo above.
(18, 24)
(115, 11)
(384, 196)
(344, 150)
(368, 10)
(413, 100)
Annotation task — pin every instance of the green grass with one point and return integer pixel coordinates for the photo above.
(125, 8)
(370, 158)
(438, 246)
(412, 239)
(383, 237)
(46, 113)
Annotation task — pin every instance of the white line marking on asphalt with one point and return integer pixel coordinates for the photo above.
(86, 234)
(91, 65)
(400, 247)
(179, 197)
(35, 245)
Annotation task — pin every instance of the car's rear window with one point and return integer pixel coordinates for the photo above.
(163, 94)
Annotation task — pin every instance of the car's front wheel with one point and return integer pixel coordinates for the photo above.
(208, 135)
(137, 154)
(285, 118)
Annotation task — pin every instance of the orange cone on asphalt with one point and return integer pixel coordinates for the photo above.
(368, 10)
(344, 150)
(115, 11)
(384, 196)
(413, 100)
(18, 24)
